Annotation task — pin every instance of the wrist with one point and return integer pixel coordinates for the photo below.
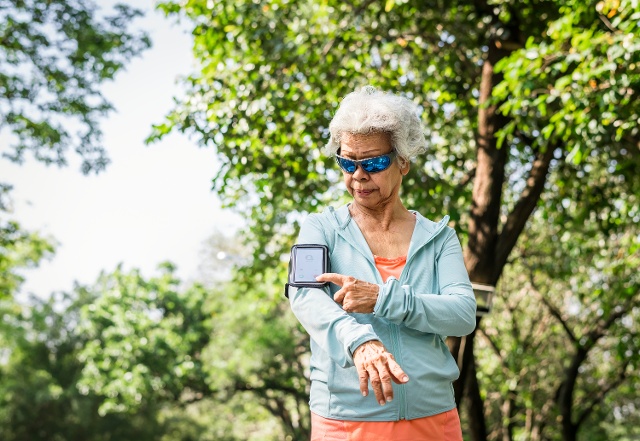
(366, 344)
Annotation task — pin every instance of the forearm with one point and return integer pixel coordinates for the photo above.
(336, 332)
(451, 313)
(450, 310)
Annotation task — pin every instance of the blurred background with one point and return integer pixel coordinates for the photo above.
(158, 157)
(136, 210)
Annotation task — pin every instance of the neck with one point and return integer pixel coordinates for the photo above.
(383, 216)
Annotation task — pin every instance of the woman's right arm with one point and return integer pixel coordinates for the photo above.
(335, 331)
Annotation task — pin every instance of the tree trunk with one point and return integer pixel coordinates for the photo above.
(475, 403)
(480, 252)
(487, 185)
(565, 396)
(508, 414)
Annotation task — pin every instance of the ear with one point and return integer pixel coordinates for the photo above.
(404, 166)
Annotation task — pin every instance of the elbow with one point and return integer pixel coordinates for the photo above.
(464, 327)
(469, 326)
(467, 319)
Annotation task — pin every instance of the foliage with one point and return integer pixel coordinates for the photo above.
(565, 322)
(579, 84)
(559, 351)
(272, 73)
(152, 358)
(144, 339)
(18, 249)
(259, 350)
(147, 358)
(39, 399)
(264, 97)
(238, 419)
(55, 54)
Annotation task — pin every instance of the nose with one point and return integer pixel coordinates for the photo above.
(360, 174)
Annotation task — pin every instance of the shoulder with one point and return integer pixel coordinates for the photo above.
(330, 217)
(322, 225)
(432, 227)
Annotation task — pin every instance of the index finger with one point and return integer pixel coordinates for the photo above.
(336, 278)
(396, 371)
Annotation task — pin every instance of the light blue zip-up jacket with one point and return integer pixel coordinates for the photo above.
(412, 317)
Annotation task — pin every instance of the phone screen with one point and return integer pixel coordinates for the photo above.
(309, 264)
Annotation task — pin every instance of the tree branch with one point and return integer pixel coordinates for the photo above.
(607, 23)
(599, 331)
(241, 386)
(602, 393)
(493, 346)
(527, 202)
(567, 387)
(466, 178)
(555, 312)
(542, 325)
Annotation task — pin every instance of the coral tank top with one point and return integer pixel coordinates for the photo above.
(390, 267)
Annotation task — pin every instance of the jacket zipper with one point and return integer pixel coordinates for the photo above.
(401, 399)
(402, 395)
(395, 337)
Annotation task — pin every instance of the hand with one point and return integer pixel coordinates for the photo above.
(355, 295)
(374, 363)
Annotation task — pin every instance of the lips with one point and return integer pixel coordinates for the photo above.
(363, 192)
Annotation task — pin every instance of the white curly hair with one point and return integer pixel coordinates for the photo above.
(370, 110)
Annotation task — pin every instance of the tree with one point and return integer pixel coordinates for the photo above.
(157, 347)
(259, 351)
(18, 250)
(562, 341)
(516, 95)
(55, 55)
(128, 358)
(144, 340)
(134, 357)
(39, 397)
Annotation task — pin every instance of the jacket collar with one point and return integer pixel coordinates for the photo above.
(424, 231)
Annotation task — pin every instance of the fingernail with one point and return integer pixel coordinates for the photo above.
(364, 394)
(381, 402)
(389, 400)
(405, 378)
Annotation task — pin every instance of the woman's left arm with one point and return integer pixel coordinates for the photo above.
(451, 312)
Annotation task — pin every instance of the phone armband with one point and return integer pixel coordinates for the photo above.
(307, 261)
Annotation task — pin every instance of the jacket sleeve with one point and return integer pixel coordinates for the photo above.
(336, 332)
(452, 311)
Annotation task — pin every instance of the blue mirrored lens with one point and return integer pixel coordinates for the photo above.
(375, 165)
(346, 165)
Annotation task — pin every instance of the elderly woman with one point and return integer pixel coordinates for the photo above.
(398, 288)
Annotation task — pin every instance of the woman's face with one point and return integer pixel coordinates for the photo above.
(371, 190)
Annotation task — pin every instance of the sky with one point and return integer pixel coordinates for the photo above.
(153, 203)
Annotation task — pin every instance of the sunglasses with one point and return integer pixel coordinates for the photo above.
(369, 165)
